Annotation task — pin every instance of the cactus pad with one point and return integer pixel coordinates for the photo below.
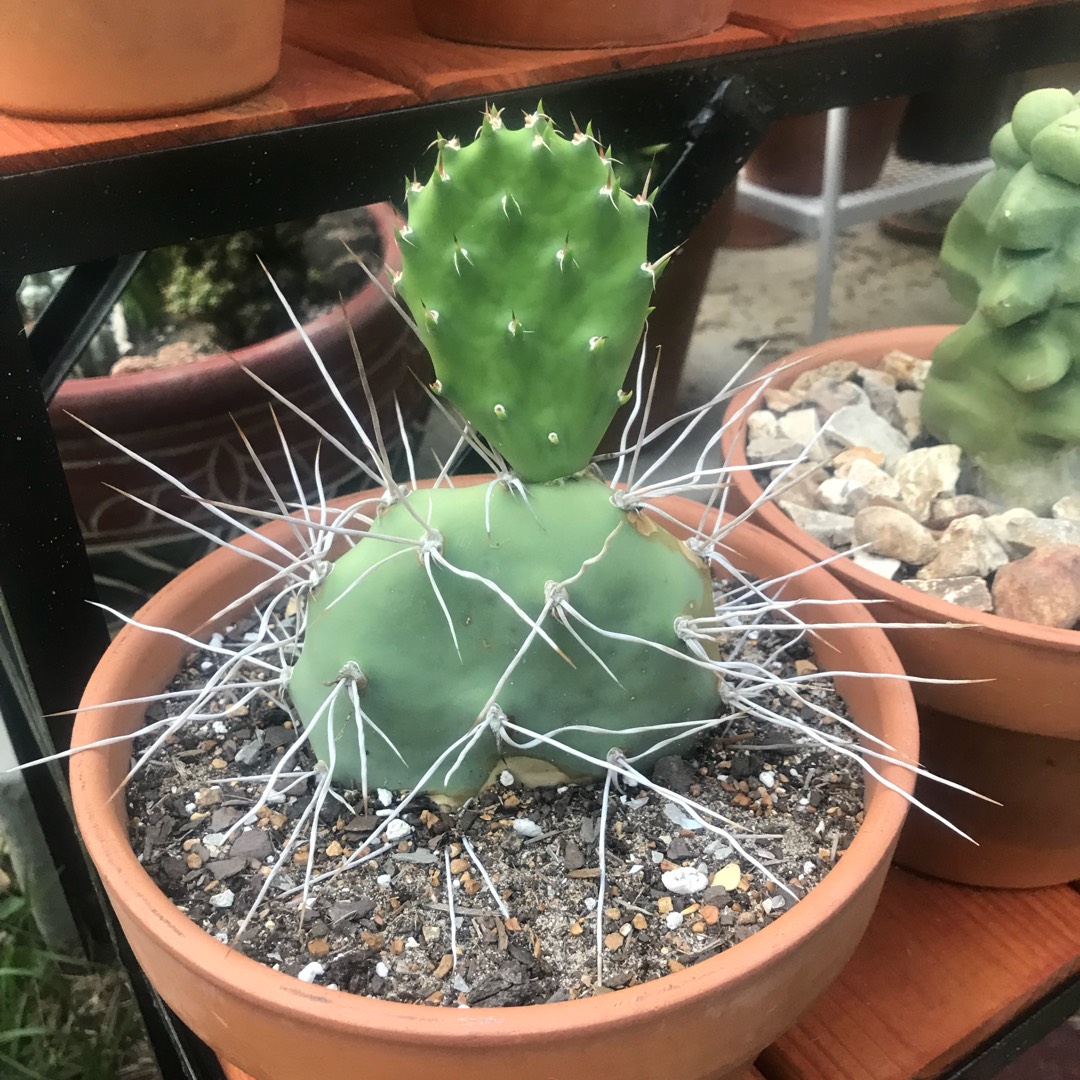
(424, 686)
(1006, 385)
(524, 265)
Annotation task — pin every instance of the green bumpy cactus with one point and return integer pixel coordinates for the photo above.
(524, 264)
(425, 686)
(1006, 385)
(541, 596)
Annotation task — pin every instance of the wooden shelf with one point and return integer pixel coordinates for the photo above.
(307, 88)
(384, 39)
(941, 969)
(348, 58)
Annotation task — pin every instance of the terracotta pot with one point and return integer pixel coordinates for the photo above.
(1014, 737)
(570, 24)
(181, 418)
(676, 301)
(791, 157)
(110, 60)
(702, 1023)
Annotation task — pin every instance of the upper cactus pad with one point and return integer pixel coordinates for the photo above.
(524, 265)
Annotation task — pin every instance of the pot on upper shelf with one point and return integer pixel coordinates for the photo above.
(111, 60)
(569, 24)
(1012, 732)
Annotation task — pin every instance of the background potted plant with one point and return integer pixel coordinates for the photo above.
(481, 593)
(205, 324)
(1005, 388)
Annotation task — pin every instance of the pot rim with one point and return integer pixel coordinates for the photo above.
(106, 840)
(105, 396)
(733, 444)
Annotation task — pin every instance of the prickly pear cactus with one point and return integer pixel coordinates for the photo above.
(524, 264)
(542, 597)
(1006, 385)
(426, 684)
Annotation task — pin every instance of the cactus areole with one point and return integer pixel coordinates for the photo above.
(544, 596)
(1006, 385)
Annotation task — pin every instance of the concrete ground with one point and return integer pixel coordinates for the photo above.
(764, 298)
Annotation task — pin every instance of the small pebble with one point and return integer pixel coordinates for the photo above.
(684, 880)
(673, 919)
(311, 972)
(529, 829)
(381, 970)
(223, 899)
(506, 778)
(727, 877)
(396, 830)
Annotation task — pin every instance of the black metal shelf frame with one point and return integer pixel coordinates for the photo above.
(99, 215)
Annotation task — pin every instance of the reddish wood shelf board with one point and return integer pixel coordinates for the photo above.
(358, 57)
(785, 21)
(307, 88)
(942, 967)
(382, 36)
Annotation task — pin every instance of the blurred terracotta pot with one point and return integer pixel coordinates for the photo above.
(570, 24)
(181, 418)
(791, 157)
(705, 1022)
(1014, 737)
(676, 300)
(111, 59)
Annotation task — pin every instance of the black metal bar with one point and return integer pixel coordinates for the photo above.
(47, 788)
(44, 572)
(92, 210)
(1028, 1029)
(179, 1054)
(717, 143)
(74, 314)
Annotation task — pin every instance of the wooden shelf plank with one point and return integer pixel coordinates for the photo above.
(308, 87)
(784, 21)
(382, 37)
(941, 968)
(358, 57)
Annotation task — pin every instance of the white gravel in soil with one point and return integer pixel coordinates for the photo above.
(529, 919)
